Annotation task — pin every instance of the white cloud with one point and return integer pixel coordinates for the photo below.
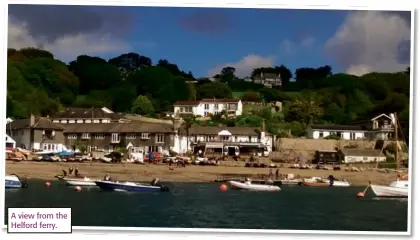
(67, 47)
(245, 65)
(370, 41)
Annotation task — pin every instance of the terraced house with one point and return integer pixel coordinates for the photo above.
(107, 137)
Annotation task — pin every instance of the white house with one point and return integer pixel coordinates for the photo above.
(10, 143)
(351, 155)
(376, 128)
(243, 139)
(268, 79)
(347, 132)
(233, 107)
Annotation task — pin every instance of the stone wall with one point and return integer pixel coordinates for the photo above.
(288, 149)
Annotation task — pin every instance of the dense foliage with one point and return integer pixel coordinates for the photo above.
(40, 84)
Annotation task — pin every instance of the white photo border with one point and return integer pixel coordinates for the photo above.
(296, 4)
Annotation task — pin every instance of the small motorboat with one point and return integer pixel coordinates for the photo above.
(290, 181)
(334, 182)
(13, 181)
(110, 185)
(248, 185)
(85, 181)
(331, 181)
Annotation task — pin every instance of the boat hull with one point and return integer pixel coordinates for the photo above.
(291, 182)
(79, 182)
(13, 182)
(315, 184)
(115, 186)
(254, 187)
(389, 191)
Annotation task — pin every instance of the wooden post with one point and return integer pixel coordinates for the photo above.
(396, 140)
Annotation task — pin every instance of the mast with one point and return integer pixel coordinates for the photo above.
(396, 141)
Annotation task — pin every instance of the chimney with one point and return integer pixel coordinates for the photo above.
(32, 120)
(176, 124)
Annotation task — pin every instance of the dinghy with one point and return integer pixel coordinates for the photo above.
(109, 185)
(13, 181)
(85, 181)
(248, 185)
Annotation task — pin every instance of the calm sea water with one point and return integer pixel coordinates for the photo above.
(205, 206)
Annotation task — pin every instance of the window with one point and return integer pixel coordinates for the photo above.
(99, 136)
(321, 134)
(72, 136)
(85, 136)
(145, 136)
(131, 136)
(206, 107)
(365, 158)
(225, 138)
(160, 138)
(153, 149)
(206, 114)
(115, 138)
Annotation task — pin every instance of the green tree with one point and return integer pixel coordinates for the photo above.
(251, 96)
(214, 90)
(142, 105)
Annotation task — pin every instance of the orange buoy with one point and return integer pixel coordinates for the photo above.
(171, 167)
(360, 194)
(77, 188)
(47, 184)
(223, 187)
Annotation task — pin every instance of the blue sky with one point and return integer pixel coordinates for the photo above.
(204, 40)
(198, 44)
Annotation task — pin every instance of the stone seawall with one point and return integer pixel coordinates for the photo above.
(288, 149)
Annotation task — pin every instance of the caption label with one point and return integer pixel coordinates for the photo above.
(39, 220)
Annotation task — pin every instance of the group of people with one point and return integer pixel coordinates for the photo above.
(76, 172)
(270, 173)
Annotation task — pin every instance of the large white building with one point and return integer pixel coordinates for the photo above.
(205, 107)
(229, 140)
(377, 128)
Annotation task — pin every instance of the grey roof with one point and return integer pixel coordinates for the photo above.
(85, 113)
(362, 152)
(40, 123)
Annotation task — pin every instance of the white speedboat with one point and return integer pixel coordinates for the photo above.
(397, 189)
(248, 185)
(80, 181)
(337, 183)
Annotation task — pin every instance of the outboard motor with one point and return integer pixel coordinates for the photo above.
(164, 189)
(24, 184)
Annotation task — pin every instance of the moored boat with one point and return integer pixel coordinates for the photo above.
(131, 186)
(85, 181)
(13, 181)
(248, 185)
(397, 189)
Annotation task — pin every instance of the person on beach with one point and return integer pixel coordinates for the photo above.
(64, 173)
(277, 173)
(270, 173)
(76, 172)
(70, 170)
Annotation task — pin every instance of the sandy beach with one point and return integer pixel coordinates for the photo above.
(191, 173)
